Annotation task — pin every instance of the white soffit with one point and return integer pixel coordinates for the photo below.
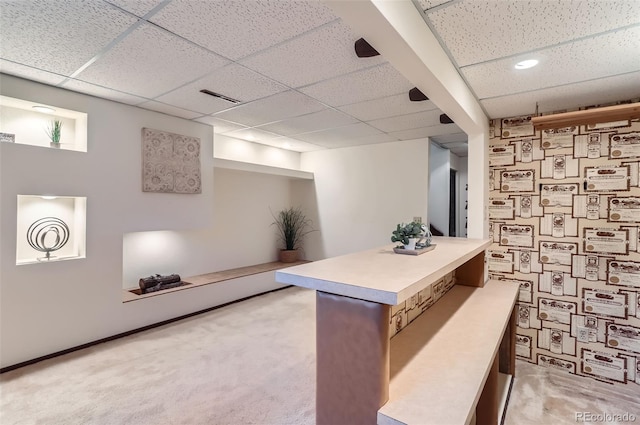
(149, 51)
(215, 24)
(62, 46)
(331, 136)
(420, 133)
(323, 53)
(219, 125)
(485, 30)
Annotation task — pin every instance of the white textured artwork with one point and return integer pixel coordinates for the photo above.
(170, 162)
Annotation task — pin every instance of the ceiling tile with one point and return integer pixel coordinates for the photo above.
(46, 34)
(368, 84)
(429, 4)
(386, 107)
(338, 142)
(450, 138)
(137, 7)
(339, 134)
(220, 126)
(323, 53)
(315, 121)
(274, 108)
(476, 31)
(605, 90)
(579, 61)
(420, 133)
(34, 74)
(407, 122)
(233, 80)
(149, 61)
(103, 92)
(235, 29)
(169, 110)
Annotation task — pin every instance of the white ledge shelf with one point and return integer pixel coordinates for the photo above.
(263, 169)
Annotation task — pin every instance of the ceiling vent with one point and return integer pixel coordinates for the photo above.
(444, 119)
(415, 95)
(364, 49)
(218, 95)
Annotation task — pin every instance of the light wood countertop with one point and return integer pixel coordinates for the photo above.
(379, 274)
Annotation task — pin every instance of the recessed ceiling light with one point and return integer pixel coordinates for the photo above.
(44, 109)
(529, 63)
(49, 197)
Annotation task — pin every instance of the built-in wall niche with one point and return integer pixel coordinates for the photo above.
(50, 228)
(27, 123)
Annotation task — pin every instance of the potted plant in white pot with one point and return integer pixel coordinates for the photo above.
(407, 234)
(54, 131)
(292, 226)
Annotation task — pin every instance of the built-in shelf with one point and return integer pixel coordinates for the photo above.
(264, 169)
(50, 222)
(133, 294)
(26, 122)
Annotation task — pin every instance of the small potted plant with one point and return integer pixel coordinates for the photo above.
(54, 132)
(292, 226)
(407, 234)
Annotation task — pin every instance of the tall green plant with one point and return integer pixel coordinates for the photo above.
(292, 226)
(54, 131)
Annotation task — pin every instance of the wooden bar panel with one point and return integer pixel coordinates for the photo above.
(352, 345)
(507, 351)
(487, 409)
(471, 273)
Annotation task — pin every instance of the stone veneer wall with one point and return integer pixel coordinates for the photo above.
(564, 213)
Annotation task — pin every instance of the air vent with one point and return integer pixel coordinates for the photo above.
(221, 96)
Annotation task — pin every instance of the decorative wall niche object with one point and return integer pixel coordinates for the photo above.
(48, 235)
(170, 162)
(50, 224)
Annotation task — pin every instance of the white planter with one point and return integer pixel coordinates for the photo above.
(412, 244)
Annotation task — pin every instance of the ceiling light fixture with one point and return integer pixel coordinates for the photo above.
(220, 96)
(364, 49)
(526, 64)
(588, 116)
(48, 197)
(415, 95)
(44, 109)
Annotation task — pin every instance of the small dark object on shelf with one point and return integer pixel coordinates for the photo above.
(158, 282)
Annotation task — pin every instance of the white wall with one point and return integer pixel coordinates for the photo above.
(48, 307)
(439, 166)
(362, 192)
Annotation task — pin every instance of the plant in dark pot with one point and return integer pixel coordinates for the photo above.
(292, 226)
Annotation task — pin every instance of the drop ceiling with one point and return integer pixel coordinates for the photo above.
(292, 64)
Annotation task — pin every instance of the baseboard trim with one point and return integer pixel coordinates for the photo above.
(131, 332)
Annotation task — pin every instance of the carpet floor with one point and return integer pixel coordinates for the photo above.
(247, 363)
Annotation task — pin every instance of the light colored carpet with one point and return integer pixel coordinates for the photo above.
(248, 363)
